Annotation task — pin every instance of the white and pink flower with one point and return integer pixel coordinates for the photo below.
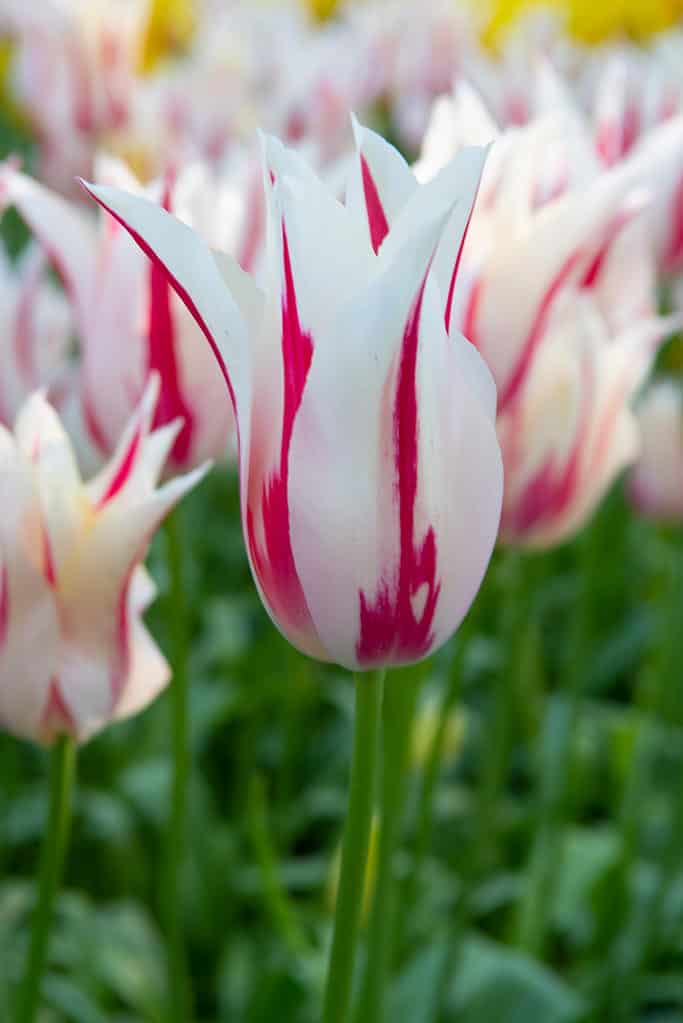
(74, 652)
(371, 479)
(129, 321)
(558, 293)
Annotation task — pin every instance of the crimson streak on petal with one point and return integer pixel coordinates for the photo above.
(126, 466)
(377, 218)
(391, 627)
(509, 392)
(179, 290)
(275, 566)
(4, 605)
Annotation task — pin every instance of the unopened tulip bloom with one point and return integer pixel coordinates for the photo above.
(74, 652)
(572, 428)
(35, 334)
(656, 483)
(129, 321)
(558, 293)
(370, 471)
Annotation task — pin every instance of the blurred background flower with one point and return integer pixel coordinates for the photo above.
(539, 827)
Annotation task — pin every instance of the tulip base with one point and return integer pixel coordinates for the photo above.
(62, 771)
(364, 770)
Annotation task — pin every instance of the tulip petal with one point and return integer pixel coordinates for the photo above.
(345, 543)
(28, 616)
(42, 440)
(195, 275)
(149, 671)
(380, 184)
(95, 602)
(68, 236)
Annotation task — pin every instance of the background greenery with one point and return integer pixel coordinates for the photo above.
(541, 855)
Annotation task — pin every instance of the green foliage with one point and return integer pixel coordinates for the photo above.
(578, 648)
(270, 734)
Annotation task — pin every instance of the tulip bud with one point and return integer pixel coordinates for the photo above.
(370, 471)
(558, 293)
(74, 652)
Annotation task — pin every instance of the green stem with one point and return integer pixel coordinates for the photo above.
(644, 921)
(555, 761)
(397, 721)
(180, 997)
(283, 917)
(62, 770)
(514, 614)
(355, 846)
(425, 808)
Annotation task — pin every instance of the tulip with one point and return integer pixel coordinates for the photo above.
(570, 335)
(35, 334)
(74, 653)
(656, 483)
(128, 320)
(74, 76)
(572, 429)
(370, 472)
(352, 405)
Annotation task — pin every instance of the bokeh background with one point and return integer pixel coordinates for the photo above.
(541, 854)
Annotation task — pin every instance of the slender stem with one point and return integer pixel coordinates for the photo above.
(643, 922)
(355, 846)
(62, 771)
(424, 826)
(283, 917)
(514, 615)
(555, 760)
(397, 721)
(180, 997)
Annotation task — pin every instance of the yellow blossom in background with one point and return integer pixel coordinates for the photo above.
(11, 111)
(591, 21)
(170, 27)
(425, 727)
(322, 10)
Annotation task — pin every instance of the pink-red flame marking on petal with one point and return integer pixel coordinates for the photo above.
(57, 717)
(162, 355)
(48, 558)
(377, 219)
(511, 388)
(673, 257)
(4, 604)
(275, 565)
(469, 322)
(180, 291)
(390, 628)
(254, 223)
(23, 324)
(121, 664)
(552, 489)
(595, 267)
(124, 470)
(95, 431)
(456, 267)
